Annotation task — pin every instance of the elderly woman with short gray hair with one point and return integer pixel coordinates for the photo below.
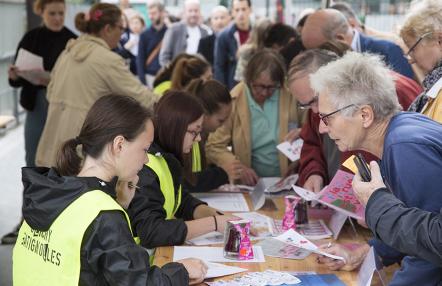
(263, 111)
(359, 110)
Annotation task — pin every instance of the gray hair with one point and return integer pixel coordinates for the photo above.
(219, 8)
(345, 9)
(358, 79)
(151, 4)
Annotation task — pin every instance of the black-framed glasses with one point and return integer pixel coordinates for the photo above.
(413, 47)
(195, 134)
(265, 88)
(309, 104)
(326, 117)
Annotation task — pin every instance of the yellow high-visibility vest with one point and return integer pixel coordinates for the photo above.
(159, 165)
(196, 158)
(52, 257)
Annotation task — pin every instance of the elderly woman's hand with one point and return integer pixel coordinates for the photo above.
(353, 258)
(364, 190)
(249, 176)
(292, 135)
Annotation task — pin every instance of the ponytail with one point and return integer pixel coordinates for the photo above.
(97, 18)
(68, 162)
(187, 70)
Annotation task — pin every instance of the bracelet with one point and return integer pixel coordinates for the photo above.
(216, 223)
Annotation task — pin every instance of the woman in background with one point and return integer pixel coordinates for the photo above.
(85, 71)
(46, 41)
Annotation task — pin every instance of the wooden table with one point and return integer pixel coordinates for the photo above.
(165, 254)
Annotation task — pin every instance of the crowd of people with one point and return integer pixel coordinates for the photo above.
(135, 119)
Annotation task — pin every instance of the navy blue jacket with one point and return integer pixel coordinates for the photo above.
(392, 54)
(149, 39)
(412, 166)
(225, 60)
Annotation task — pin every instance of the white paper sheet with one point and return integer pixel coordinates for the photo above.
(28, 61)
(294, 238)
(213, 237)
(336, 223)
(276, 248)
(218, 270)
(291, 150)
(367, 269)
(227, 202)
(213, 254)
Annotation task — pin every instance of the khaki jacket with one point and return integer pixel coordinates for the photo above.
(85, 71)
(433, 108)
(236, 130)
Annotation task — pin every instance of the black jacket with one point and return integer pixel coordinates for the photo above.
(146, 210)
(47, 44)
(409, 230)
(206, 47)
(109, 255)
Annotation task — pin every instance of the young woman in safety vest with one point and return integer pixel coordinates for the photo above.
(75, 229)
(163, 212)
(217, 103)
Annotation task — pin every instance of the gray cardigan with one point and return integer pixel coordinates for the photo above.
(175, 41)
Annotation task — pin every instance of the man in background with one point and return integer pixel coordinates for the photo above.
(229, 40)
(150, 44)
(219, 19)
(184, 37)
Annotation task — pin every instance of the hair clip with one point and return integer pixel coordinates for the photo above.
(97, 15)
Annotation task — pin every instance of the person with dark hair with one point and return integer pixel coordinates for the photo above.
(47, 41)
(217, 103)
(76, 230)
(263, 112)
(150, 44)
(188, 69)
(86, 70)
(163, 212)
(229, 40)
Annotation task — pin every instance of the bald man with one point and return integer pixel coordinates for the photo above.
(331, 25)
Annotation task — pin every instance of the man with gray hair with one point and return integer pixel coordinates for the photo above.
(331, 25)
(359, 110)
(184, 37)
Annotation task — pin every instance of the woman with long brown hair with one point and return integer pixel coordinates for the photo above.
(163, 212)
(76, 230)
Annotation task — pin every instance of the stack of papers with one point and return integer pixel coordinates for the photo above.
(224, 201)
(268, 277)
(30, 67)
(314, 230)
(213, 254)
(275, 248)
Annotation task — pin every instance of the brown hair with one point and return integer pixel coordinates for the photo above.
(110, 116)
(211, 93)
(99, 16)
(187, 69)
(39, 5)
(309, 62)
(165, 73)
(268, 61)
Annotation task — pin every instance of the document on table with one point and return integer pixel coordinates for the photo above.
(213, 254)
(218, 270)
(227, 202)
(276, 248)
(294, 238)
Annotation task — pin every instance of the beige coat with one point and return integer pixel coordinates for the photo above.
(86, 70)
(236, 130)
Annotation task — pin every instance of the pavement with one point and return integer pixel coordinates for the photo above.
(12, 158)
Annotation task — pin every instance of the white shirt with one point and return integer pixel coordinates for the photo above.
(356, 42)
(193, 39)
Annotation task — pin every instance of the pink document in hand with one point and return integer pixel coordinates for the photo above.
(339, 195)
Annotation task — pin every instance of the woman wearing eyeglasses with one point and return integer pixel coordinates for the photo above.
(421, 32)
(163, 212)
(85, 71)
(263, 112)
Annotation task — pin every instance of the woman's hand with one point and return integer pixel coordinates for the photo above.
(353, 258)
(13, 72)
(364, 190)
(249, 176)
(196, 268)
(292, 135)
(126, 191)
(233, 170)
(221, 221)
(314, 183)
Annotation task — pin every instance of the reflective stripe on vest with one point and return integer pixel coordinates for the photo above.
(159, 165)
(196, 157)
(52, 257)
